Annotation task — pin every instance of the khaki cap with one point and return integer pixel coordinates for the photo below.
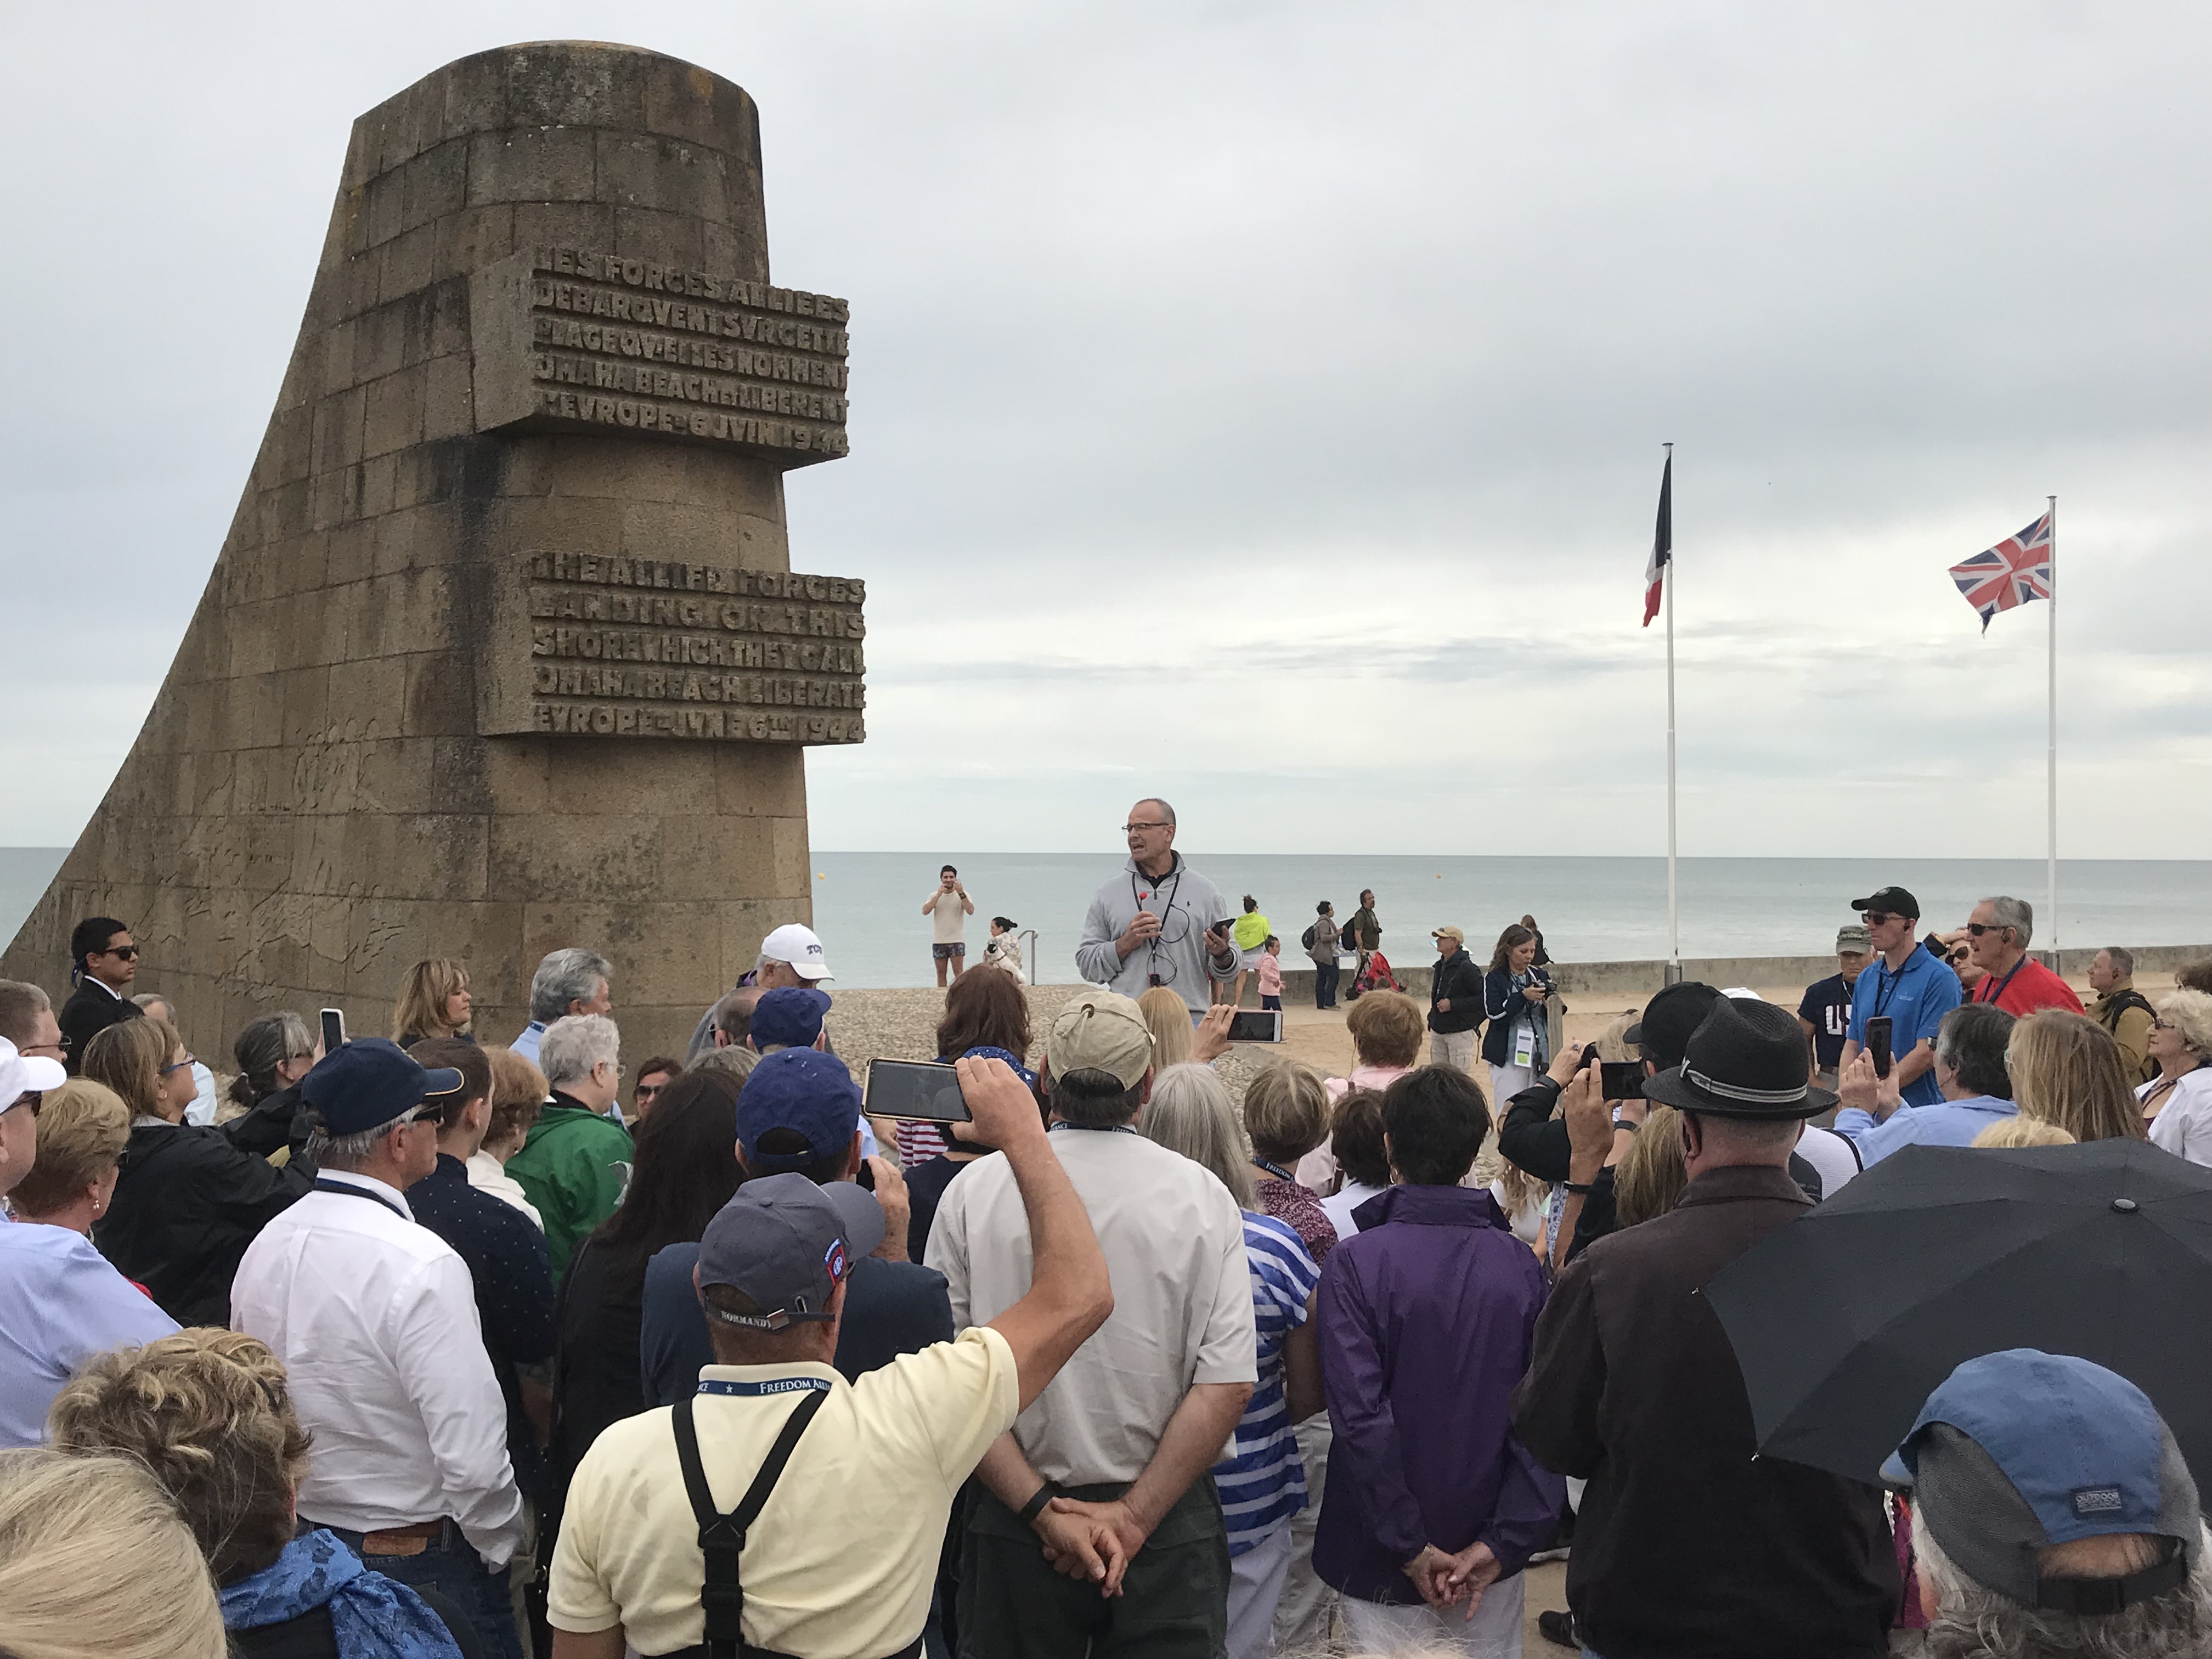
(1451, 933)
(1100, 1030)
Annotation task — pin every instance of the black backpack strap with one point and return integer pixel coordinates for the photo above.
(722, 1537)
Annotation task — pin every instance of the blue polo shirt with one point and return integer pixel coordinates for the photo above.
(1915, 998)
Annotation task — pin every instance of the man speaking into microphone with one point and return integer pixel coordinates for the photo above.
(1159, 923)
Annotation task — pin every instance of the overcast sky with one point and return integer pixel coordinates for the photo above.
(1263, 404)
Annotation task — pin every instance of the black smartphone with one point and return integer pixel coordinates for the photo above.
(1878, 1042)
(922, 1089)
(333, 1030)
(1622, 1079)
(1256, 1025)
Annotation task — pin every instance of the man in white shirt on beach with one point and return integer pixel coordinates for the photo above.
(951, 907)
(375, 1317)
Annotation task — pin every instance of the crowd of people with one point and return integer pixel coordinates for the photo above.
(426, 1346)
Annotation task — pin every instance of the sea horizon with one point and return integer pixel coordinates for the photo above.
(868, 905)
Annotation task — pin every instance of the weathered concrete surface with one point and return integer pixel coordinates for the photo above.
(318, 797)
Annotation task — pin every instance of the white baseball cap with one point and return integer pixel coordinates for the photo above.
(22, 1074)
(801, 947)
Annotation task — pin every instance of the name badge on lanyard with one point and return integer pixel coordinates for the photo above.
(1524, 1045)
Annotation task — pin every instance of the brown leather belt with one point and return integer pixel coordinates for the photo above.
(402, 1540)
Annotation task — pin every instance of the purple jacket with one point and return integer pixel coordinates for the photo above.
(1428, 1317)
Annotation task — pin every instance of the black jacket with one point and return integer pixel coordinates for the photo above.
(1504, 1006)
(91, 1009)
(1456, 978)
(188, 1202)
(1687, 1542)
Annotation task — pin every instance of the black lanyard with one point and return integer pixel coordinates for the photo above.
(345, 1191)
(1885, 984)
(2002, 983)
(1137, 899)
(1274, 1170)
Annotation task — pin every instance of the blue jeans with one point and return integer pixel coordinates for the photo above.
(1325, 984)
(457, 1573)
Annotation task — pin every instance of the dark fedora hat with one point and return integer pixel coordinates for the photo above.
(1747, 1059)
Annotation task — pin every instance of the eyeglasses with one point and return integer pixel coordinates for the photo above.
(128, 952)
(1132, 828)
(2157, 1025)
(646, 1091)
(189, 1060)
(56, 1049)
(1876, 918)
(33, 1098)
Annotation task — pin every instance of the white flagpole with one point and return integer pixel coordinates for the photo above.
(2051, 752)
(1667, 577)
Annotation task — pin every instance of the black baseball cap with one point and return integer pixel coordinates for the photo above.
(1668, 1019)
(1894, 900)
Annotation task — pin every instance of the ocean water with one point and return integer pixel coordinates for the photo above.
(867, 906)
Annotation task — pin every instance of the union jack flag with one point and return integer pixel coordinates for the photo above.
(2014, 571)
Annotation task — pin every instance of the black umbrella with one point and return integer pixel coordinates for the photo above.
(1845, 1321)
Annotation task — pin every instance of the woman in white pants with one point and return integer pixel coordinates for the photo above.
(1515, 993)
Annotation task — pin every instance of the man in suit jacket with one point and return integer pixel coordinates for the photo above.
(103, 961)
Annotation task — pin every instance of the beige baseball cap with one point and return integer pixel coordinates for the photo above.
(1451, 933)
(1100, 1030)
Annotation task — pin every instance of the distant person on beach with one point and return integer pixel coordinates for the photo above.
(2012, 980)
(103, 961)
(951, 907)
(1543, 958)
(1365, 929)
(1454, 1002)
(1004, 951)
(1271, 973)
(1824, 1015)
(1904, 984)
(1249, 933)
(2194, 976)
(1321, 945)
(1159, 923)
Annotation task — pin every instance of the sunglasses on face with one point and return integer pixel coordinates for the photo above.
(128, 952)
(1876, 918)
(1978, 929)
(432, 1112)
(33, 1098)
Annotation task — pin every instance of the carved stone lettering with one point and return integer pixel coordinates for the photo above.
(571, 338)
(619, 646)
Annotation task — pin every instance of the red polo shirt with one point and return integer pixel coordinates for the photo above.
(2028, 986)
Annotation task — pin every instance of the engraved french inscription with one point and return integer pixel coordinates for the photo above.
(574, 338)
(622, 647)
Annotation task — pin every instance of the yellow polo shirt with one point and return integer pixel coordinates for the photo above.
(839, 1564)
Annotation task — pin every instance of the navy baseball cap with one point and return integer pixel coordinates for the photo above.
(371, 1082)
(789, 1017)
(2018, 1451)
(784, 1244)
(804, 1091)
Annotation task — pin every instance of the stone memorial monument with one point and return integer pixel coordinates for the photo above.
(504, 651)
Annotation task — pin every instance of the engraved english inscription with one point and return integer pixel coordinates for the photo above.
(655, 648)
(570, 337)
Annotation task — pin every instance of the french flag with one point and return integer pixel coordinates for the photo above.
(1662, 544)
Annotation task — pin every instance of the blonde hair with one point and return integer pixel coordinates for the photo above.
(1386, 1027)
(2189, 1012)
(519, 1090)
(207, 1412)
(2066, 1070)
(2019, 1131)
(1519, 1188)
(1189, 1113)
(95, 1564)
(420, 1011)
(128, 1057)
(1651, 1176)
(82, 1129)
(1286, 1111)
(1168, 1018)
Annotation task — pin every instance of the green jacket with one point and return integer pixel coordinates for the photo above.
(574, 1167)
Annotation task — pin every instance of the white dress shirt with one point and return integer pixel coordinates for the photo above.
(375, 1317)
(488, 1174)
(2184, 1125)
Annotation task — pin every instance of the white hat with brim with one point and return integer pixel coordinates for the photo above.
(800, 946)
(22, 1074)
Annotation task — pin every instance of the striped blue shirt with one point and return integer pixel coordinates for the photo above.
(1262, 1482)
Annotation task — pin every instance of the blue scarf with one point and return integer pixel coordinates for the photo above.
(373, 1617)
